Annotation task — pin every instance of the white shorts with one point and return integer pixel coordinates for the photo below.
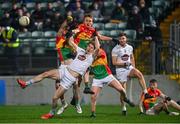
(66, 79)
(104, 81)
(122, 73)
(151, 111)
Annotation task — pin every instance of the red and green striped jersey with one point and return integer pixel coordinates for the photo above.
(148, 103)
(100, 67)
(84, 36)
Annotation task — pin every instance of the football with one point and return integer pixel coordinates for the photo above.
(24, 21)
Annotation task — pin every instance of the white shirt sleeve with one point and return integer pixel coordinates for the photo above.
(114, 51)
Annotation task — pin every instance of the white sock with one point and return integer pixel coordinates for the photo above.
(30, 82)
(124, 108)
(63, 102)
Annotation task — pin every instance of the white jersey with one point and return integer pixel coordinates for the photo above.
(123, 53)
(82, 61)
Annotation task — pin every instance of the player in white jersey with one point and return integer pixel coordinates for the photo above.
(123, 59)
(66, 74)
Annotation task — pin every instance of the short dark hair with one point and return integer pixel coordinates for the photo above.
(88, 15)
(93, 43)
(122, 34)
(153, 81)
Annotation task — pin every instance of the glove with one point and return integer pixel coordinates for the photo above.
(168, 98)
(115, 40)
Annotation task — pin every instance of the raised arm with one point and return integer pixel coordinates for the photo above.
(62, 28)
(97, 46)
(71, 42)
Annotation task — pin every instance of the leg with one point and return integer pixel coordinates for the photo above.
(53, 74)
(58, 93)
(123, 104)
(116, 85)
(173, 104)
(136, 73)
(63, 102)
(96, 91)
(76, 96)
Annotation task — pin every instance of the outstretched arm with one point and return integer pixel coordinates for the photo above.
(71, 43)
(104, 38)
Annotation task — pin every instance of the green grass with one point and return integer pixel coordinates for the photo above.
(105, 114)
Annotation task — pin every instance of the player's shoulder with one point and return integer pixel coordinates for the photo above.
(129, 46)
(115, 48)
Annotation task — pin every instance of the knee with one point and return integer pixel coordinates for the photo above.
(45, 74)
(138, 74)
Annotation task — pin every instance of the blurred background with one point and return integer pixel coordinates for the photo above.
(152, 27)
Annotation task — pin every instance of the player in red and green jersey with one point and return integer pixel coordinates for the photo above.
(150, 106)
(103, 76)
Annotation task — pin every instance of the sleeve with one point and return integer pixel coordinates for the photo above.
(131, 49)
(114, 52)
(79, 50)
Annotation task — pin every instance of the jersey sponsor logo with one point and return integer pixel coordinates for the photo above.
(125, 57)
(82, 57)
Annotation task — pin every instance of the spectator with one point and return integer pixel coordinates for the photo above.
(154, 34)
(144, 12)
(78, 12)
(15, 23)
(60, 8)
(127, 4)
(6, 20)
(119, 12)
(135, 21)
(96, 12)
(57, 21)
(38, 16)
(10, 42)
(49, 15)
(13, 11)
(31, 27)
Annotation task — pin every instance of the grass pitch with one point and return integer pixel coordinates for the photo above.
(105, 114)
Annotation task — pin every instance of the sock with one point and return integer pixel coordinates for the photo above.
(124, 108)
(145, 91)
(63, 102)
(52, 111)
(30, 82)
(92, 113)
(77, 102)
(86, 85)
